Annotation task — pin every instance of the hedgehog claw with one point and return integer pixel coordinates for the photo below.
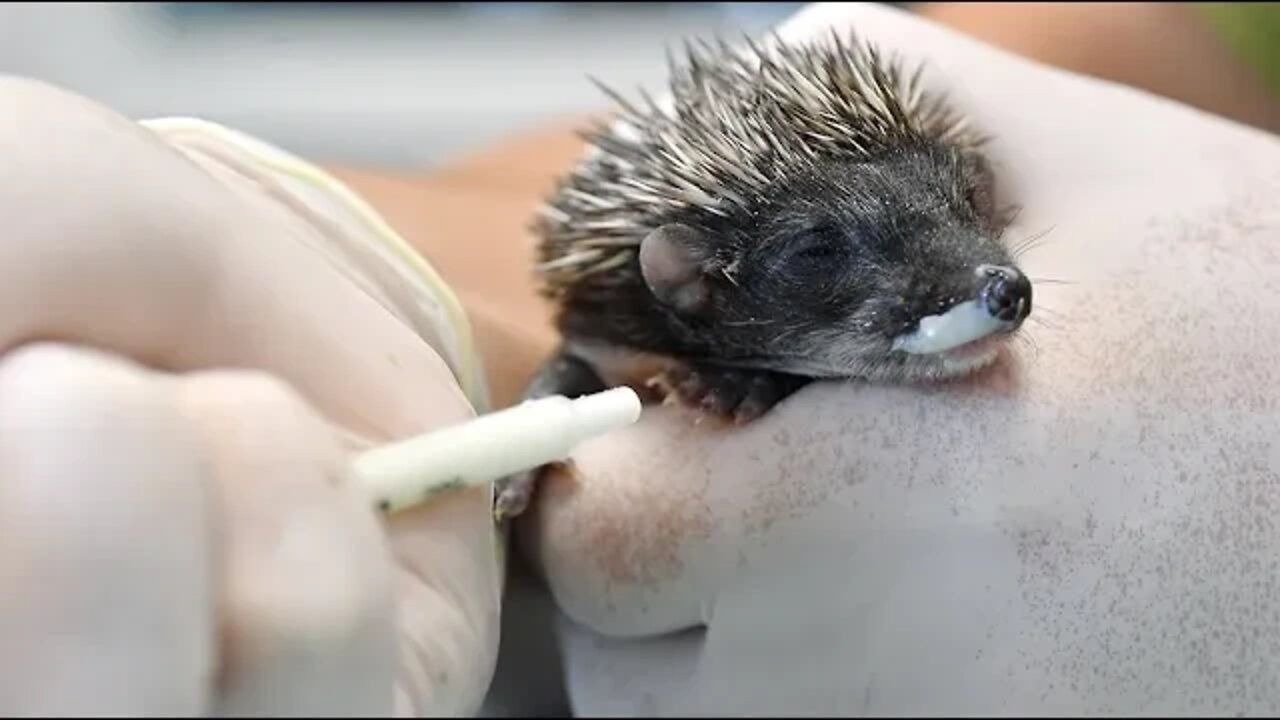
(514, 493)
(728, 394)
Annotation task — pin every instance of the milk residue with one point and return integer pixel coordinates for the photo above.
(962, 324)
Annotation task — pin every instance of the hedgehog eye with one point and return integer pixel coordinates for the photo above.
(823, 251)
(823, 243)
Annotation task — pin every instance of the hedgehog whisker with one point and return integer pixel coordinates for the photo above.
(1046, 310)
(1022, 247)
(1025, 341)
(1035, 235)
(1051, 281)
(1026, 249)
(738, 123)
(1044, 323)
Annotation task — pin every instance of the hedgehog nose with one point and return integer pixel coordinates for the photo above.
(1005, 292)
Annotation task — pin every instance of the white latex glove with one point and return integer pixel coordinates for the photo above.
(185, 539)
(1089, 530)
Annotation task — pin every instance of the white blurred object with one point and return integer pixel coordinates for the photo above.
(525, 436)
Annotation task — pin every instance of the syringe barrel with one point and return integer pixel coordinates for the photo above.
(491, 446)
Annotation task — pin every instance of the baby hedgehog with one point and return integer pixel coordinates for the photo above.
(795, 213)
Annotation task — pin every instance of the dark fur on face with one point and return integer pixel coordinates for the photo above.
(819, 278)
(796, 210)
(792, 214)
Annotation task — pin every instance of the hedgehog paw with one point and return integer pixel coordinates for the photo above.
(729, 394)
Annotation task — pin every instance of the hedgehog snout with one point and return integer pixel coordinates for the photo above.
(1005, 292)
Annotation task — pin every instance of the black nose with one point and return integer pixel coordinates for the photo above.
(1006, 293)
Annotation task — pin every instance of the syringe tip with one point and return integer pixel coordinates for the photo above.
(604, 411)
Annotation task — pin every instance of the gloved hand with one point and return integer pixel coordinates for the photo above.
(186, 371)
(1089, 529)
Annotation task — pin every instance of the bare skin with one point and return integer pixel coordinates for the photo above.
(1120, 471)
(1162, 47)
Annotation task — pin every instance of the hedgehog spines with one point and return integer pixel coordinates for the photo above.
(737, 121)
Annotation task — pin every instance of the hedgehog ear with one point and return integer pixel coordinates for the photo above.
(674, 260)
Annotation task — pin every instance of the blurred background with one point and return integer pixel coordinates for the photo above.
(413, 85)
(398, 85)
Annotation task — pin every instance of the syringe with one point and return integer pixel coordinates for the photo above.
(487, 448)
